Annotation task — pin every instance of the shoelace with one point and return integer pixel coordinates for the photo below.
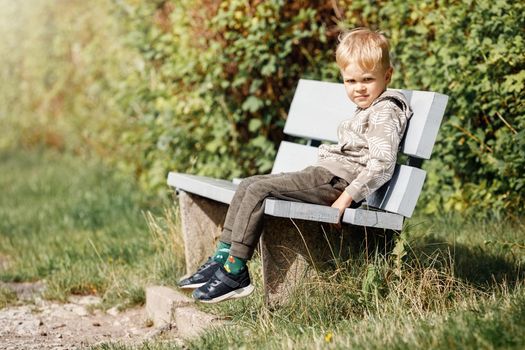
(206, 264)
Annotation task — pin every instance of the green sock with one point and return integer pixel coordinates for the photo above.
(234, 265)
(222, 252)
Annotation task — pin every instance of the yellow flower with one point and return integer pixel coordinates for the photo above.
(238, 15)
(328, 337)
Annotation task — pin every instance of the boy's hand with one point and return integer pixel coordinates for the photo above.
(342, 203)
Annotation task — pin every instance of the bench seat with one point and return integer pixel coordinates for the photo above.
(222, 191)
(216, 189)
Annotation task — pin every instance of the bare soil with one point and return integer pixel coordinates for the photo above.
(35, 323)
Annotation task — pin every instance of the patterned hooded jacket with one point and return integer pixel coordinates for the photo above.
(366, 153)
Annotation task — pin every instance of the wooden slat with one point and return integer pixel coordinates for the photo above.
(319, 107)
(299, 210)
(218, 190)
(293, 157)
(423, 127)
(401, 193)
(370, 218)
(321, 213)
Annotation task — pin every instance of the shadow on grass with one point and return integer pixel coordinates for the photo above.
(475, 265)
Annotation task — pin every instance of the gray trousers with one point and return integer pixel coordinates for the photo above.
(243, 223)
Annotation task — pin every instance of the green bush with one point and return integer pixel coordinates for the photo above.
(218, 77)
(204, 86)
(473, 51)
(217, 81)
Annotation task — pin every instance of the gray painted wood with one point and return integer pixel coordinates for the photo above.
(216, 189)
(299, 210)
(319, 107)
(401, 193)
(398, 196)
(321, 213)
(370, 218)
(423, 127)
(293, 157)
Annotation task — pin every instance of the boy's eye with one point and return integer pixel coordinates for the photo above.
(368, 79)
(351, 81)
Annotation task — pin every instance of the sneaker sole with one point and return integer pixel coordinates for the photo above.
(235, 294)
(192, 286)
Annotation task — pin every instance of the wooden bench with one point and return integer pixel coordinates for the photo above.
(288, 247)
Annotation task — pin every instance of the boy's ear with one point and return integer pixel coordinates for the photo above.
(388, 74)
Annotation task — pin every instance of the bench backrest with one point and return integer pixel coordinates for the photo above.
(319, 107)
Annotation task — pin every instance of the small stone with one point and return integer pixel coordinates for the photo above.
(59, 336)
(113, 311)
(79, 310)
(85, 300)
(96, 324)
(191, 322)
(161, 303)
(134, 331)
(43, 334)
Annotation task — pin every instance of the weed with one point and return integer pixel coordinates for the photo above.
(7, 297)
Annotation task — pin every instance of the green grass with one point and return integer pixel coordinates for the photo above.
(450, 283)
(452, 289)
(79, 227)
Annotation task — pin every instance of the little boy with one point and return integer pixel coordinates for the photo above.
(362, 161)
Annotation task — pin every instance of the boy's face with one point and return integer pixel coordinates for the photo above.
(362, 86)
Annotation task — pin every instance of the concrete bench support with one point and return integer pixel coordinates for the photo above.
(202, 221)
(292, 250)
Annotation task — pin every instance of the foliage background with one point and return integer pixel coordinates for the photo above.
(204, 86)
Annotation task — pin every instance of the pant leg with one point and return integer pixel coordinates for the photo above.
(233, 209)
(313, 185)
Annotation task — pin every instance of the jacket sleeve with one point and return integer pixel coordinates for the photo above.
(386, 125)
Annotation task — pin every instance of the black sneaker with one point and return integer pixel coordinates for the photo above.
(223, 286)
(203, 275)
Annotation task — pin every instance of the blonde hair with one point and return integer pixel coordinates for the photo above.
(365, 47)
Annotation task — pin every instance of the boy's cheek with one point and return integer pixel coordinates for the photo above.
(348, 92)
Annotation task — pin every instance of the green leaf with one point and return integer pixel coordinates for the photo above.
(252, 104)
(254, 125)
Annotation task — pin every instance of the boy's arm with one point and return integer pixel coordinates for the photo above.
(342, 202)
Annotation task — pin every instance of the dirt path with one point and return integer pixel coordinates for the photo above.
(41, 324)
